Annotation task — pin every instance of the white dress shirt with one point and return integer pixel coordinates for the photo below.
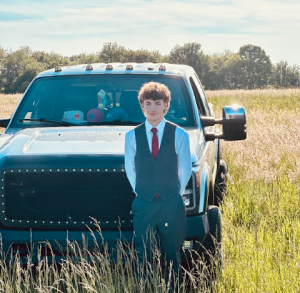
(182, 149)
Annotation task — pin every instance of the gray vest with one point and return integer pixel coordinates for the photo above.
(156, 175)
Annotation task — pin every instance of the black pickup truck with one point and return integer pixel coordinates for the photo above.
(62, 155)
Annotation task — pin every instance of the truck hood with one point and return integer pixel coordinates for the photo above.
(73, 140)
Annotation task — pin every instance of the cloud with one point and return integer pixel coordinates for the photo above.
(71, 27)
(11, 16)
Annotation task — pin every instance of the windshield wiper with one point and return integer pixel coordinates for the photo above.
(114, 122)
(49, 121)
(65, 123)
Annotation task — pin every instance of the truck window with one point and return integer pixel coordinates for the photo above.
(202, 109)
(116, 96)
(202, 94)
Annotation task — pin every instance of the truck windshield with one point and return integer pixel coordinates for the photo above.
(97, 99)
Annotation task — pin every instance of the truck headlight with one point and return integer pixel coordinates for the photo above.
(186, 197)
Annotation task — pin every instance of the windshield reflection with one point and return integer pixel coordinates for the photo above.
(96, 100)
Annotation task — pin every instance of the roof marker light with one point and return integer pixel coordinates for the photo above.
(57, 69)
(109, 67)
(162, 67)
(89, 67)
(129, 67)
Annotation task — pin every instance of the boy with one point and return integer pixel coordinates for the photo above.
(158, 166)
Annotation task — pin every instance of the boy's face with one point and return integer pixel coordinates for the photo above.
(154, 110)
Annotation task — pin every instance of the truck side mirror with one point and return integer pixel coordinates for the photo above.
(233, 121)
(4, 122)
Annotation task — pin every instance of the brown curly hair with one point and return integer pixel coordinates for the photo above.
(154, 91)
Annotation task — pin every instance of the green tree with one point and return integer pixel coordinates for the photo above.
(294, 75)
(15, 65)
(285, 76)
(50, 60)
(19, 67)
(2, 69)
(217, 76)
(235, 72)
(24, 80)
(84, 58)
(191, 54)
(257, 66)
(112, 52)
(143, 55)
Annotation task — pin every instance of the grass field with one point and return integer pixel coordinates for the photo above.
(261, 211)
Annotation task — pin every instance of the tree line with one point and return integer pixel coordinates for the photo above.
(249, 68)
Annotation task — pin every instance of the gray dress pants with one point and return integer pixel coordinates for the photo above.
(166, 220)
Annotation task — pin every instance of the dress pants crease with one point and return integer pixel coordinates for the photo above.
(166, 220)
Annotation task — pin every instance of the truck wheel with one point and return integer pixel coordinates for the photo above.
(220, 183)
(212, 242)
(207, 254)
(212, 253)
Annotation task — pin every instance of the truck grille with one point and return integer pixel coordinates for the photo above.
(66, 198)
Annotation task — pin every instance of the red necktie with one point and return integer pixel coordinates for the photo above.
(154, 143)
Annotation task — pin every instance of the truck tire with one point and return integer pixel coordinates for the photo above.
(212, 242)
(212, 248)
(220, 183)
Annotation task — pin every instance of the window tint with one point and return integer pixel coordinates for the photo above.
(199, 102)
(202, 95)
(115, 96)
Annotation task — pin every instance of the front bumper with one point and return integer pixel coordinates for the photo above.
(29, 242)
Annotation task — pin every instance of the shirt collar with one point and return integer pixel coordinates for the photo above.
(160, 127)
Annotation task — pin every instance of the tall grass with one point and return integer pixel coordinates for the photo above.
(82, 270)
(261, 216)
(261, 212)
(8, 104)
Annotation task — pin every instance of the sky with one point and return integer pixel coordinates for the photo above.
(72, 27)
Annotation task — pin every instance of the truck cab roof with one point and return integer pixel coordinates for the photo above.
(118, 68)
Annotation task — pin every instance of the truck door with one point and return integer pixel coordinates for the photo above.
(204, 110)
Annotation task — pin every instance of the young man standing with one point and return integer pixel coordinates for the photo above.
(158, 166)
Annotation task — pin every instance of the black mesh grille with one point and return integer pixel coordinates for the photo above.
(68, 196)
